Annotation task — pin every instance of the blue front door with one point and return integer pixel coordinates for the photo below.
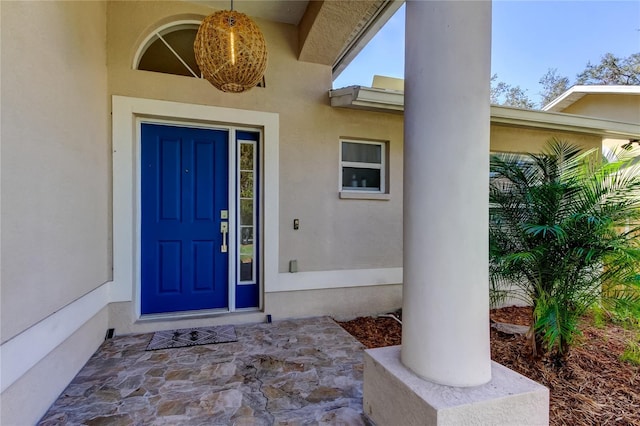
(184, 205)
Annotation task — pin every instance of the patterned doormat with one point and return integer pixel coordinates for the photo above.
(191, 337)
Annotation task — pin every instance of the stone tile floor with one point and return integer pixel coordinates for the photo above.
(293, 372)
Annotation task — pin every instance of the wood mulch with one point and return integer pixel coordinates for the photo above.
(593, 388)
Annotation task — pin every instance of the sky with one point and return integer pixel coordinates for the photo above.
(528, 38)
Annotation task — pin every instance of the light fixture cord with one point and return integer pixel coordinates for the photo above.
(231, 20)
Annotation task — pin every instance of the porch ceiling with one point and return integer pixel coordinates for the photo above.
(330, 32)
(333, 32)
(285, 11)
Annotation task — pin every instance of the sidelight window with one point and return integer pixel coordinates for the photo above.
(247, 225)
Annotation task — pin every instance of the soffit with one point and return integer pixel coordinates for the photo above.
(564, 102)
(333, 32)
(285, 11)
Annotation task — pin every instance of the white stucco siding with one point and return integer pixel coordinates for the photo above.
(617, 107)
(55, 158)
(335, 234)
(522, 140)
(39, 386)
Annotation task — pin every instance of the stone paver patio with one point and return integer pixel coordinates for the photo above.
(293, 372)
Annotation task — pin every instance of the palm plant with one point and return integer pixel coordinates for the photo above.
(563, 236)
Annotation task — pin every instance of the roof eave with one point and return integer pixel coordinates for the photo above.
(367, 98)
(564, 122)
(574, 93)
(324, 39)
(382, 100)
(364, 37)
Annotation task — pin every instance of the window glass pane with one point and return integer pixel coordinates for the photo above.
(246, 238)
(246, 212)
(246, 184)
(159, 58)
(360, 179)
(246, 270)
(246, 156)
(246, 197)
(361, 152)
(246, 253)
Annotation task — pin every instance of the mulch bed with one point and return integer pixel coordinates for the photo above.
(593, 388)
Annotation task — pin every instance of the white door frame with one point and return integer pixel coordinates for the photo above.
(127, 114)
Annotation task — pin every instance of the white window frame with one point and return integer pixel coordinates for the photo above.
(254, 146)
(382, 166)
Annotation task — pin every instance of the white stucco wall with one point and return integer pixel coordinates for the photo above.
(617, 107)
(55, 158)
(506, 138)
(56, 186)
(334, 234)
(26, 400)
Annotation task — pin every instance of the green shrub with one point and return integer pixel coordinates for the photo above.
(563, 227)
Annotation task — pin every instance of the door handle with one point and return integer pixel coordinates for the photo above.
(224, 229)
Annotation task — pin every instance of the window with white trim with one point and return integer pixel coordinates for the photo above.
(363, 166)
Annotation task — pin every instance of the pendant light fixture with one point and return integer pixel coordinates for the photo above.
(230, 51)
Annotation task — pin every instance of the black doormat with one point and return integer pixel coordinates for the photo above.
(191, 337)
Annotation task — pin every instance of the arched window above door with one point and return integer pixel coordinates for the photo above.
(169, 50)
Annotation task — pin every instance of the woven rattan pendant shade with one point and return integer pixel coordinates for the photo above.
(230, 51)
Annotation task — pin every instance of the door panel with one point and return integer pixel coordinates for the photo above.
(184, 180)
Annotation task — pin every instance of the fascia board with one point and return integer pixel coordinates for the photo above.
(367, 98)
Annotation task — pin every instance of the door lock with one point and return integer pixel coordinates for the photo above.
(224, 229)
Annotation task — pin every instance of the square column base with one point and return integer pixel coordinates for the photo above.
(394, 395)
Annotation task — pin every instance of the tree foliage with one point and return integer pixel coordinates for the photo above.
(508, 95)
(563, 226)
(553, 85)
(612, 70)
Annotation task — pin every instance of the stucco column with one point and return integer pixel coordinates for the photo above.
(445, 337)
